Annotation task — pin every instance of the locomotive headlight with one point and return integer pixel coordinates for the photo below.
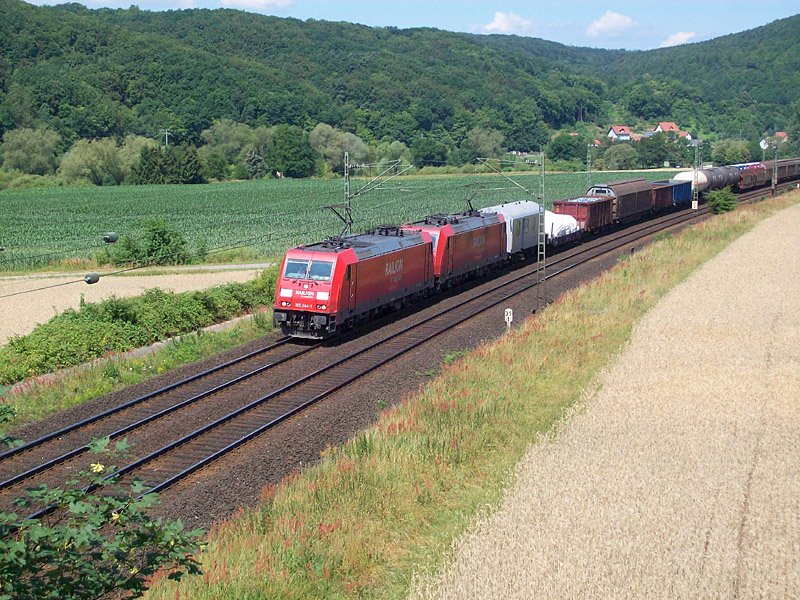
(322, 306)
(285, 303)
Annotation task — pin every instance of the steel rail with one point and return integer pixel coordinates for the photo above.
(88, 421)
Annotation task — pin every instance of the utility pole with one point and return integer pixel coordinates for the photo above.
(588, 166)
(775, 171)
(697, 165)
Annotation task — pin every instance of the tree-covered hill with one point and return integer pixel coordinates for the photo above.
(96, 73)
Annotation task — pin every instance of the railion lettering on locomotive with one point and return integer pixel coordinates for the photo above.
(394, 267)
(479, 240)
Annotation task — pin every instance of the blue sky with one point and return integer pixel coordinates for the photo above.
(638, 25)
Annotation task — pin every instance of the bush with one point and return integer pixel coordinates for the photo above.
(160, 244)
(97, 544)
(721, 201)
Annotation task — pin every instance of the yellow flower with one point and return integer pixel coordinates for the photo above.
(97, 468)
(134, 570)
(114, 516)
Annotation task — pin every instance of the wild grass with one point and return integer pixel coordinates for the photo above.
(390, 502)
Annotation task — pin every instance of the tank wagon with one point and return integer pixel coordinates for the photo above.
(463, 244)
(743, 177)
(331, 285)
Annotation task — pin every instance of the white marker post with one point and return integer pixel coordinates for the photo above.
(509, 318)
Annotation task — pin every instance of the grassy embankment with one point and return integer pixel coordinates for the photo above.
(390, 502)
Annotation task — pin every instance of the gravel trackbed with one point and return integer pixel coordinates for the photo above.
(679, 477)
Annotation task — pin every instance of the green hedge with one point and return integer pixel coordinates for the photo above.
(121, 324)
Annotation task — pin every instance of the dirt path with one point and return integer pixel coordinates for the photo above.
(19, 313)
(680, 478)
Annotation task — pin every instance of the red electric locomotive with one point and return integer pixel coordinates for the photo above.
(463, 244)
(331, 285)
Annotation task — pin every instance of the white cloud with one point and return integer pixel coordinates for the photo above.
(609, 23)
(187, 3)
(508, 23)
(256, 4)
(677, 38)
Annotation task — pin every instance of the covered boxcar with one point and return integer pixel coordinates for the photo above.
(463, 244)
(522, 224)
(787, 169)
(680, 192)
(662, 196)
(592, 213)
(632, 199)
(329, 285)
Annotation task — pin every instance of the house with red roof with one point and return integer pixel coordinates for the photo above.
(620, 133)
(781, 136)
(672, 127)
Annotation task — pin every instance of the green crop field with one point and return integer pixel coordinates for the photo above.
(44, 226)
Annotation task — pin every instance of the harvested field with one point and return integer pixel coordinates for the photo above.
(680, 475)
(19, 314)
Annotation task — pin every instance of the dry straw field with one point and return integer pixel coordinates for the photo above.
(679, 477)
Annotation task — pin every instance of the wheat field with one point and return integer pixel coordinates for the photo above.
(679, 476)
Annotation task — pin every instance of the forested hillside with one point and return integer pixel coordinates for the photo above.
(110, 72)
(70, 73)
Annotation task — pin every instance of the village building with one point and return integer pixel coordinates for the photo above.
(620, 133)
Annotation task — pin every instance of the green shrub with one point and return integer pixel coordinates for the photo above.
(96, 544)
(721, 201)
(159, 244)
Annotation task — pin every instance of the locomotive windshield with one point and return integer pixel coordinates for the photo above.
(316, 270)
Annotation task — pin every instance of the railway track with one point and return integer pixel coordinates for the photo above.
(168, 463)
(20, 465)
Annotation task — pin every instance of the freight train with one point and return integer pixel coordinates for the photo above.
(334, 285)
(743, 177)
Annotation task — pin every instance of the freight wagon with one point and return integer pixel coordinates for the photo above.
(331, 285)
(632, 199)
(522, 224)
(788, 169)
(680, 193)
(592, 213)
(662, 197)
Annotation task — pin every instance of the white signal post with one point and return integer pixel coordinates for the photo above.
(509, 317)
